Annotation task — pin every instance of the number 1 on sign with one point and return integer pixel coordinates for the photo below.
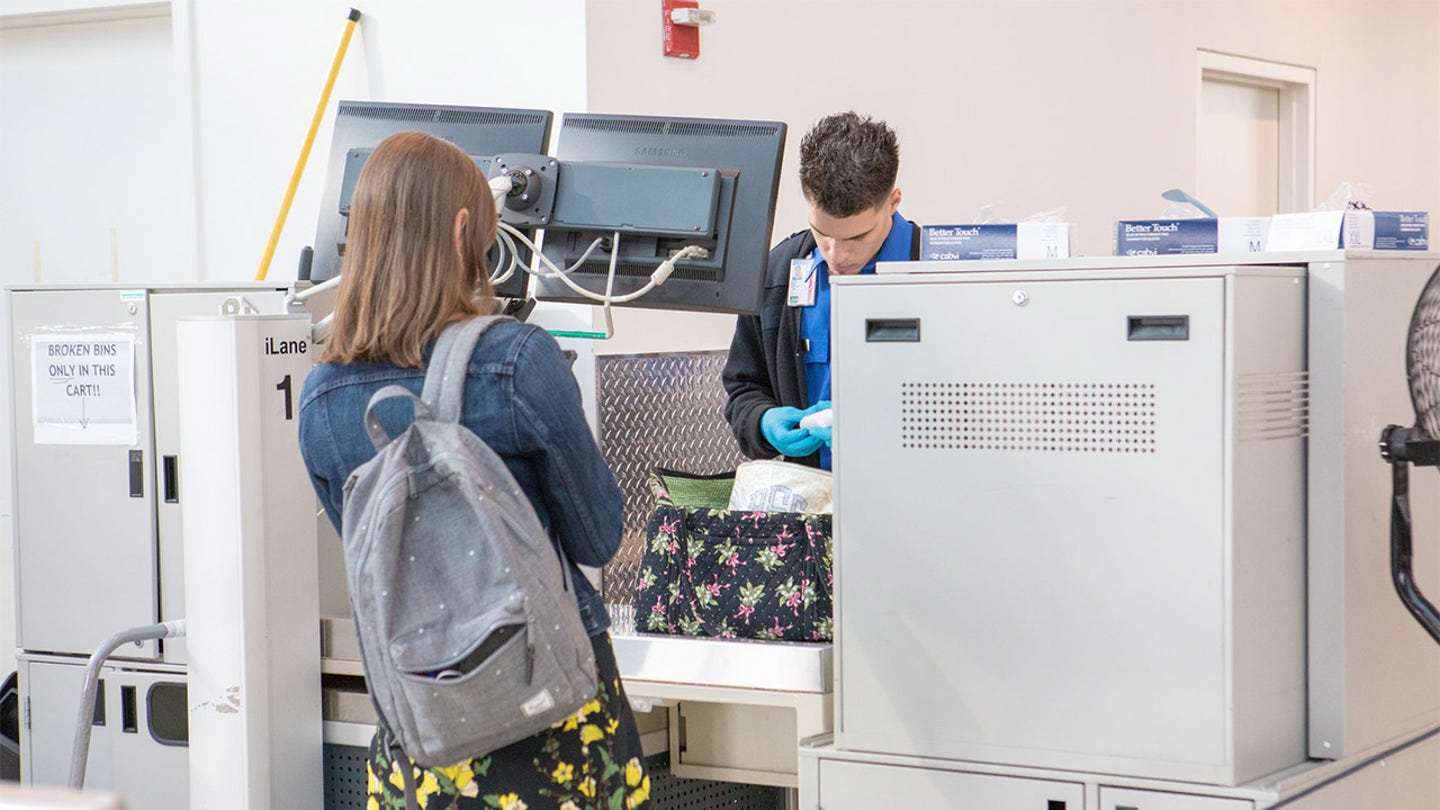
(284, 386)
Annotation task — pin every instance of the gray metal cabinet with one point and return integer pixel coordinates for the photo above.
(50, 699)
(1056, 497)
(98, 541)
(167, 307)
(84, 513)
(97, 525)
(1125, 799)
(1035, 579)
(147, 731)
(138, 740)
(862, 786)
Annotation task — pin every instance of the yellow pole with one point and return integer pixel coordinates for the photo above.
(260, 274)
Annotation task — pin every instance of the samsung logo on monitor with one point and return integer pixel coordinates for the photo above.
(661, 151)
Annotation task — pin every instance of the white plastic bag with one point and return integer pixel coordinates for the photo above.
(781, 486)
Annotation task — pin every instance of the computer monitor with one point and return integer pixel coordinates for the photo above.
(360, 126)
(603, 188)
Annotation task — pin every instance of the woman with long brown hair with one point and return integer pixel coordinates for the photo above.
(421, 220)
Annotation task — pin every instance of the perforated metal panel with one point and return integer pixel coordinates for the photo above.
(1058, 417)
(657, 410)
(345, 786)
(669, 792)
(344, 776)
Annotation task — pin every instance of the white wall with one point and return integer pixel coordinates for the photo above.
(87, 149)
(260, 65)
(245, 79)
(1088, 104)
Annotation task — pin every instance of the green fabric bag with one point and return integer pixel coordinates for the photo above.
(687, 490)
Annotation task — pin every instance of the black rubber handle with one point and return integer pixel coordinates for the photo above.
(1401, 553)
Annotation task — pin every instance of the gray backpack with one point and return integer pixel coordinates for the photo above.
(469, 632)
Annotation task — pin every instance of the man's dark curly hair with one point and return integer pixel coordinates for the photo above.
(848, 163)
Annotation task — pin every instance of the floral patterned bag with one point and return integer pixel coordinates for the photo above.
(708, 571)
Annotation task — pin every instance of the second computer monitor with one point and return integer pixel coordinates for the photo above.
(598, 149)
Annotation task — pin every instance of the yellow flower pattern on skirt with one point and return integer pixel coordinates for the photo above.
(589, 761)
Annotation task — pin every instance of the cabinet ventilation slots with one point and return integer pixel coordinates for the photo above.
(1272, 406)
(1052, 417)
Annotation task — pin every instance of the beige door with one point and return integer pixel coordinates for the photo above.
(1238, 148)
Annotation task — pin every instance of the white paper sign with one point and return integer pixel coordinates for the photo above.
(83, 388)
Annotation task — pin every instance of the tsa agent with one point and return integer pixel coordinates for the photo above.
(778, 370)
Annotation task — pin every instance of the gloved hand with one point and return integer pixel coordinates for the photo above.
(781, 427)
(824, 434)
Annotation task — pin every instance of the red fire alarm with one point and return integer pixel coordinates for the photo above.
(681, 21)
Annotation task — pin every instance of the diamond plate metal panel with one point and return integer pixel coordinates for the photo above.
(656, 410)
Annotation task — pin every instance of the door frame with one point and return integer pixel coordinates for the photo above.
(1296, 85)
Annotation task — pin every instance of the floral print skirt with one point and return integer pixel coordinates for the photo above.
(589, 761)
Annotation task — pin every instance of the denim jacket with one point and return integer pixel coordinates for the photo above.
(523, 401)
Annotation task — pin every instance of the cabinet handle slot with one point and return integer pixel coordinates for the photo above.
(1157, 327)
(170, 469)
(892, 330)
(129, 723)
(98, 717)
(137, 473)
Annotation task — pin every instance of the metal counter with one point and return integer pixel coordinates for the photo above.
(778, 666)
(732, 710)
(725, 663)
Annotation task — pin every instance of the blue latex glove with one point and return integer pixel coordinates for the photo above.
(822, 405)
(781, 427)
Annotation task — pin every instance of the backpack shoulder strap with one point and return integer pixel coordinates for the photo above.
(378, 436)
(399, 760)
(444, 390)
